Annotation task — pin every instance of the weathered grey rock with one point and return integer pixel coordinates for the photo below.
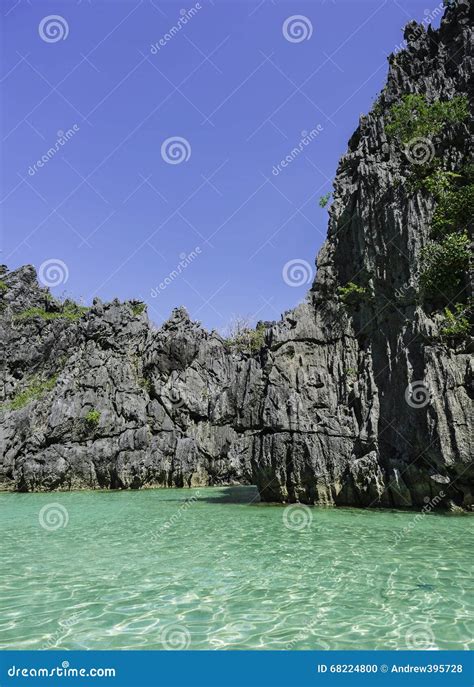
(320, 413)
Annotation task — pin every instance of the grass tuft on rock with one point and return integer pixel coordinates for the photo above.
(36, 389)
(67, 312)
(138, 308)
(324, 200)
(92, 419)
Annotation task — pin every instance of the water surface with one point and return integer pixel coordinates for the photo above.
(213, 569)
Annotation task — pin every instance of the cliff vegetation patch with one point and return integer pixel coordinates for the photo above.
(414, 117)
(352, 293)
(446, 258)
(243, 338)
(92, 419)
(36, 389)
(138, 308)
(68, 311)
(456, 324)
(444, 265)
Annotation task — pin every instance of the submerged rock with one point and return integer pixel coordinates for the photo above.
(349, 401)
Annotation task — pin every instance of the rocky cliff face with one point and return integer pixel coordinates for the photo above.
(351, 400)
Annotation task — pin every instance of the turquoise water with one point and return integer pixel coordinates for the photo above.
(212, 569)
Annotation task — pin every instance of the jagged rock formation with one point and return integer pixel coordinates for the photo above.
(322, 413)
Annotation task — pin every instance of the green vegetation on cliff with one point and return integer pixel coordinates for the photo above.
(69, 311)
(244, 339)
(414, 117)
(92, 419)
(352, 293)
(455, 209)
(138, 308)
(444, 265)
(456, 324)
(36, 389)
(324, 200)
(445, 260)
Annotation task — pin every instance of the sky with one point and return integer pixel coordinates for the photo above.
(143, 140)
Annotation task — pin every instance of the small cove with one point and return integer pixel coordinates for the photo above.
(213, 569)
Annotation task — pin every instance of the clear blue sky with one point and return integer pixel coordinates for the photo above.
(228, 82)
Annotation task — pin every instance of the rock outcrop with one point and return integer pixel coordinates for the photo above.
(349, 401)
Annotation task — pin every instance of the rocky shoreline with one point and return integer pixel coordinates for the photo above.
(354, 398)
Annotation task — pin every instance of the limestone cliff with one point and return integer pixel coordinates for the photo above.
(354, 398)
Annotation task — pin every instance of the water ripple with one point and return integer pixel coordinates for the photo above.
(227, 574)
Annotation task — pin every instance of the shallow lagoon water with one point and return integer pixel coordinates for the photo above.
(213, 569)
